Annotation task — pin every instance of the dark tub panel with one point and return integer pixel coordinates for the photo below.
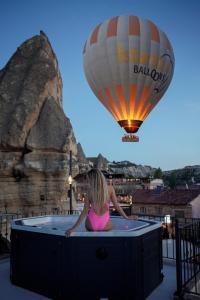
(152, 261)
(35, 262)
(101, 268)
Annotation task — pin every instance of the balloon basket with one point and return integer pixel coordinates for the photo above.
(130, 138)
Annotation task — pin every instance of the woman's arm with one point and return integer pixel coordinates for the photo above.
(80, 219)
(116, 204)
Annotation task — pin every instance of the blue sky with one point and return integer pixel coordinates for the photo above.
(170, 136)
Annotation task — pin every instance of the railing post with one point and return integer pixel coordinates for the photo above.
(178, 260)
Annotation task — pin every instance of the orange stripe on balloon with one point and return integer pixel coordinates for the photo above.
(133, 88)
(154, 32)
(144, 96)
(112, 27)
(134, 25)
(112, 103)
(120, 95)
(94, 35)
(106, 104)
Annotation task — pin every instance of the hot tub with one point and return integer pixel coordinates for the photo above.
(121, 264)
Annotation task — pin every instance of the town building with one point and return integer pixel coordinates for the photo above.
(176, 203)
(156, 183)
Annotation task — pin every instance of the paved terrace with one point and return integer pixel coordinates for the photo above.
(11, 292)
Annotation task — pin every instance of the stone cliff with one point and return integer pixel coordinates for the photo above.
(83, 163)
(130, 170)
(99, 162)
(35, 134)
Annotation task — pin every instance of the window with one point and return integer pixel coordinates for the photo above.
(143, 210)
(179, 213)
(42, 197)
(158, 210)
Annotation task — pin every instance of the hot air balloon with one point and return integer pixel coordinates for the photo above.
(129, 64)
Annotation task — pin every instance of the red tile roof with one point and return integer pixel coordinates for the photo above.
(165, 197)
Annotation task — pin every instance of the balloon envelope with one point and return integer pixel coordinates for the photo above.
(129, 64)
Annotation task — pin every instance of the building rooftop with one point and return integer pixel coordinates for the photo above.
(168, 197)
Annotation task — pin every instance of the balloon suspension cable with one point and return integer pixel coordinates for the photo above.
(130, 138)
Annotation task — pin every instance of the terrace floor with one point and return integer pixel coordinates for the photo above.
(8, 291)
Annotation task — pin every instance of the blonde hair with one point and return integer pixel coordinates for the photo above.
(98, 189)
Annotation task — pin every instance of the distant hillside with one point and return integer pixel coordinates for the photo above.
(130, 169)
(121, 164)
(188, 174)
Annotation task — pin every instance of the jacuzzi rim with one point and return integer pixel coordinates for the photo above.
(116, 233)
(148, 222)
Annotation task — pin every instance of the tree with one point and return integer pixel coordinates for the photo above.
(158, 174)
(172, 180)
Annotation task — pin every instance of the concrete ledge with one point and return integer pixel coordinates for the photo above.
(169, 261)
(4, 258)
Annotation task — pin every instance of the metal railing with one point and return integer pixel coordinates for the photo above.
(181, 242)
(188, 257)
(6, 219)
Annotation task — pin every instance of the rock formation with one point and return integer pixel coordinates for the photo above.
(35, 134)
(131, 170)
(83, 163)
(99, 162)
(125, 168)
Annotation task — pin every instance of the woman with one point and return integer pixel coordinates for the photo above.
(96, 206)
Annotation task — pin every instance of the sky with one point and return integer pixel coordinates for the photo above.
(170, 136)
